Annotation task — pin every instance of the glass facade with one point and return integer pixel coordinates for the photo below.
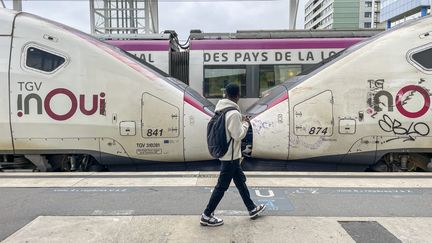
(393, 8)
(342, 14)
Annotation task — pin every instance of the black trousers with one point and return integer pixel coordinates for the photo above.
(229, 170)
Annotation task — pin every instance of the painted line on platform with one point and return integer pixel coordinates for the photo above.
(264, 179)
(113, 212)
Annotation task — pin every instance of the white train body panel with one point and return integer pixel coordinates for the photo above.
(99, 101)
(271, 133)
(194, 127)
(6, 22)
(370, 100)
(5, 44)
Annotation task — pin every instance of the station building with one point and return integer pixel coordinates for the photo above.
(342, 14)
(394, 12)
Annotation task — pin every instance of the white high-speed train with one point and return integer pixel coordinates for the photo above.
(369, 106)
(69, 101)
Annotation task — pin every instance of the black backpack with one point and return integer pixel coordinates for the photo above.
(216, 135)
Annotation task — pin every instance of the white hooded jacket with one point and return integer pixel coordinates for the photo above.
(234, 128)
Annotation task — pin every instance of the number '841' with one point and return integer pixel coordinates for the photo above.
(154, 132)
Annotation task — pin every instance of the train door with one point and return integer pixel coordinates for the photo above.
(160, 128)
(313, 123)
(5, 130)
(314, 116)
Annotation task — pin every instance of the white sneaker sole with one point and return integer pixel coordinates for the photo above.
(257, 214)
(210, 225)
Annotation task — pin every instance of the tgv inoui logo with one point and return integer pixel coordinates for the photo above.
(46, 103)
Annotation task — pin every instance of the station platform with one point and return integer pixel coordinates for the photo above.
(166, 207)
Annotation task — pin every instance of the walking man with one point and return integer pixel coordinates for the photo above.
(236, 128)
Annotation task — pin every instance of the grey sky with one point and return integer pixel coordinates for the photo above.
(209, 16)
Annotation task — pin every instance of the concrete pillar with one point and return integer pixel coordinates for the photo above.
(17, 5)
(293, 8)
(92, 18)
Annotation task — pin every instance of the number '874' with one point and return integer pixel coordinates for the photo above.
(318, 130)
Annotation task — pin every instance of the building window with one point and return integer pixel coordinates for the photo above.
(42, 60)
(272, 75)
(368, 4)
(217, 77)
(424, 59)
(367, 24)
(368, 14)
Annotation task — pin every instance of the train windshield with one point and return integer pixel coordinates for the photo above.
(198, 101)
(272, 97)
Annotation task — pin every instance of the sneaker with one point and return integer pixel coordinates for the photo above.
(210, 221)
(254, 213)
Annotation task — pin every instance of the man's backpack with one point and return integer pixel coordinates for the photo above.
(216, 135)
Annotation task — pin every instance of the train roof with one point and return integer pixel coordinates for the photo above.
(274, 44)
(166, 41)
(143, 45)
(284, 34)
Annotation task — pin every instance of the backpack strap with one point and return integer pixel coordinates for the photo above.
(232, 151)
(224, 111)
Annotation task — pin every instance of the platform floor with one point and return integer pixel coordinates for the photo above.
(166, 228)
(165, 207)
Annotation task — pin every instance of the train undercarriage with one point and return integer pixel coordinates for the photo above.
(403, 162)
(51, 163)
(390, 162)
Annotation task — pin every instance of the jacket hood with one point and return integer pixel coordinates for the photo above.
(225, 103)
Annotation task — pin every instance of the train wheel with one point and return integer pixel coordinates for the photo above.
(59, 162)
(394, 162)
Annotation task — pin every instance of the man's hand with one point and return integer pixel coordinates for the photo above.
(245, 119)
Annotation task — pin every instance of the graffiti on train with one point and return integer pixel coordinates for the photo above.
(396, 127)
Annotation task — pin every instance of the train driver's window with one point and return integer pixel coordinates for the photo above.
(424, 59)
(272, 75)
(42, 60)
(217, 77)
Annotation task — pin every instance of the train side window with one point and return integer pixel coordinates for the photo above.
(272, 75)
(42, 60)
(423, 58)
(217, 77)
